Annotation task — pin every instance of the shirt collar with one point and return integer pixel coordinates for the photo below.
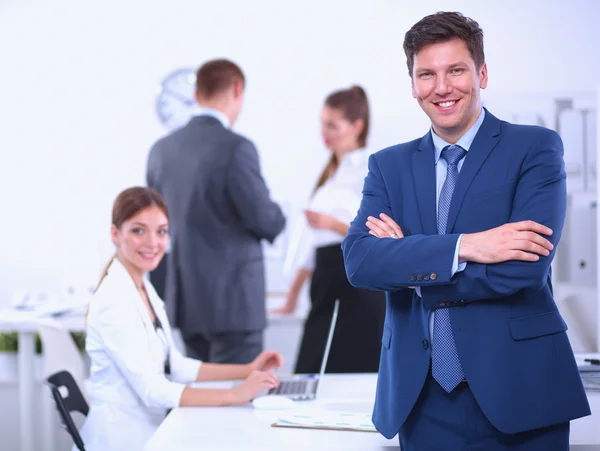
(203, 111)
(465, 140)
(355, 158)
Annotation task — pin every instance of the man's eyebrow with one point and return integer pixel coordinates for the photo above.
(460, 63)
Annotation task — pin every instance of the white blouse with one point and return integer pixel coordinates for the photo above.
(130, 391)
(339, 197)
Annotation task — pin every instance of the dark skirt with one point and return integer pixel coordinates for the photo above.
(356, 344)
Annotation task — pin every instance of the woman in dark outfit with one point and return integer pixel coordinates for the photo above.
(356, 342)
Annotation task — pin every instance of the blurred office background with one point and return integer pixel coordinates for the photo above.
(79, 82)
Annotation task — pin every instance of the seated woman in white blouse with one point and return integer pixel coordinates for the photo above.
(137, 374)
(356, 344)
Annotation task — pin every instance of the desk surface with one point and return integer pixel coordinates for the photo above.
(244, 428)
(12, 320)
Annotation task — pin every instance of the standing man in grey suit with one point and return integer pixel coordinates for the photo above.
(220, 209)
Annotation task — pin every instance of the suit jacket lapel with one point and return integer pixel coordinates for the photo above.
(486, 139)
(423, 165)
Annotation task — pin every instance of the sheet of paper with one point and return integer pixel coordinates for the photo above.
(328, 418)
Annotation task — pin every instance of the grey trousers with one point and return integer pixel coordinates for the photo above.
(230, 347)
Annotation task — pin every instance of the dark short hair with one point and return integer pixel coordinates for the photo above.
(216, 76)
(442, 27)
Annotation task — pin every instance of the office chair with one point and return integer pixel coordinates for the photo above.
(73, 401)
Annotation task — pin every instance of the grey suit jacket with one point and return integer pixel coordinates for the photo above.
(219, 210)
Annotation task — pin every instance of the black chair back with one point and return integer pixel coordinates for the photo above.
(73, 401)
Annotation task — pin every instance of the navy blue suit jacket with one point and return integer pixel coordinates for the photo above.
(510, 337)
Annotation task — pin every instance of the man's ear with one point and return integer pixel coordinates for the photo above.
(238, 88)
(483, 76)
(412, 85)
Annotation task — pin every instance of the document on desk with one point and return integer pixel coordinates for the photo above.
(590, 375)
(327, 419)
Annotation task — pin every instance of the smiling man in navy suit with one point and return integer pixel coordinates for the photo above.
(460, 227)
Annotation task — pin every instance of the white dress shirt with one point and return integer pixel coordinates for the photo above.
(130, 391)
(203, 111)
(339, 197)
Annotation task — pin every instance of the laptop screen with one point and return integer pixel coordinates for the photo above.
(336, 307)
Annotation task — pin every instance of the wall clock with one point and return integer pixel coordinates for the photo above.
(175, 104)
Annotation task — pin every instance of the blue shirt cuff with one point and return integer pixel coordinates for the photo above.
(457, 267)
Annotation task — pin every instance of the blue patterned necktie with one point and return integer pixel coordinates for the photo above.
(445, 365)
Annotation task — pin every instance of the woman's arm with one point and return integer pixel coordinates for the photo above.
(256, 381)
(291, 298)
(265, 361)
(258, 376)
(222, 372)
(340, 227)
(322, 221)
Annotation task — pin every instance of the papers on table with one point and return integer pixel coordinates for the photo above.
(590, 375)
(326, 419)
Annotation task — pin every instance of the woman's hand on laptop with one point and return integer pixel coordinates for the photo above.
(254, 383)
(266, 360)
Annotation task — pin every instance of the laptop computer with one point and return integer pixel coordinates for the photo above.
(303, 387)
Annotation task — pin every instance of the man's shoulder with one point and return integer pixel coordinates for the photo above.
(195, 135)
(167, 140)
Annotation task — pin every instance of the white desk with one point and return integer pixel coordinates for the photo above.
(244, 428)
(26, 325)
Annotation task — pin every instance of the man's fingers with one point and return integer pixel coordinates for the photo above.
(386, 230)
(376, 227)
(533, 227)
(531, 247)
(539, 240)
(534, 238)
(523, 256)
(390, 222)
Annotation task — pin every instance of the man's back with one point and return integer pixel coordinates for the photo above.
(219, 210)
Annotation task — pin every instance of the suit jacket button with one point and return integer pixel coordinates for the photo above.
(442, 304)
(425, 344)
(420, 277)
(433, 276)
(461, 301)
(413, 278)
(426, 277)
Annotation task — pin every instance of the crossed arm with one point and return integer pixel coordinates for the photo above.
(500, 261)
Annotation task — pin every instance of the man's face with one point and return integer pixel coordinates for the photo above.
(446, 83)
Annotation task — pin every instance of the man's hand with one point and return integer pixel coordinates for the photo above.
(521, 241)
(385, 227)
(267, 360)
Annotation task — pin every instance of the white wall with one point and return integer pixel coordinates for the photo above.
(78, 82)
